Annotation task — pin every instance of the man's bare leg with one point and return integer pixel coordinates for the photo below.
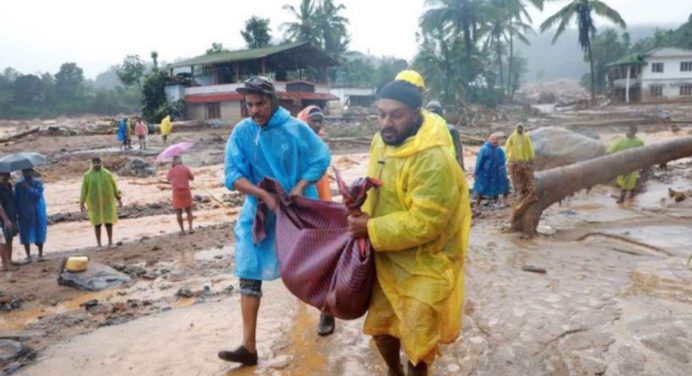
(27, 249)
(249, 306)
(109, 232)
(40, 251)
(97, 231)
(389, 348)
(189, 218)
(6, 256)
(179, 217)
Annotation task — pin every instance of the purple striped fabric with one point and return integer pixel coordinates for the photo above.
(320, 262)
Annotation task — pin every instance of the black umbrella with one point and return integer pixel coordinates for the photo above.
(21, 161)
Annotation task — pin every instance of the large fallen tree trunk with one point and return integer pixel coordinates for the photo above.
(18, 136)
(556, 184)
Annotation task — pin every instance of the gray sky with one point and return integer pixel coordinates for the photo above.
(37, 36)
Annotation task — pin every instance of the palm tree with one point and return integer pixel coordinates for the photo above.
(305, 27)
(332, 27)
(519, 26)
(464, 16)
(582, 10)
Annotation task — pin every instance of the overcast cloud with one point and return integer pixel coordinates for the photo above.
(40, 35)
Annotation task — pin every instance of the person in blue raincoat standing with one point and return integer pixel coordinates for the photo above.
(490, 173)
(268, 144)
(31, 212)
(122, 134)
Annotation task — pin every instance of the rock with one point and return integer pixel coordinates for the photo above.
(150, 275)
(9, 303)
(119, 244)
(533, 269)
(16, 335)
(11, 368)
(11, 350)
(184, 293)
(57, 218)
(137, 167)
(557, 147)
(98, 277)
(90, 303)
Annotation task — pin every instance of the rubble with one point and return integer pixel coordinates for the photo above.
(137, 167)
(98, 277)
(555, 147)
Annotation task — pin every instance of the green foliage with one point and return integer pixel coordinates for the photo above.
(131, 70)
(216, 48)
(606, 47)
(69, 81)
(387, 70)
(319, 23)
(155, 59)
(66, 93)
(256, 33)
(355, 73)
(582, 11)
(154, 96)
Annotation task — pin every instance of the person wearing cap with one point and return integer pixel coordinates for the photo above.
(435, 107)
(520, 156)
(314, 118)
(268, 144)
(98, 197)
(417, 80)
(418, 223)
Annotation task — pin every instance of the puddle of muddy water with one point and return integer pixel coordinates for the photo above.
(18, 320)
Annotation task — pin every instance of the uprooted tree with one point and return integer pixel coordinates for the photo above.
(556, 184)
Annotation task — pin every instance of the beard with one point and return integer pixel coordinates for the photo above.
(391, 137)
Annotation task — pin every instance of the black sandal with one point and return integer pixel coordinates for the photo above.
(239, 355)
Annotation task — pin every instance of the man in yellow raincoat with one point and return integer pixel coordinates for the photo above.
(99, 197)
(418, 223)
(627, 183)
(520, 156)
(417, 80)
(166, 128)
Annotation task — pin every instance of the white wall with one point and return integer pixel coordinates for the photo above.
(670, 79)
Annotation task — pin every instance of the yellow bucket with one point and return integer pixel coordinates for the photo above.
(76, 263)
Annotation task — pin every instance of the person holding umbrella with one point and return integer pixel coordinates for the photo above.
(31, 212)
(99, 197)
(180, 176)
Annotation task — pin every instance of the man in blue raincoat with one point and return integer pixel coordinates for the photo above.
(269, 144)
(490, 173)
(31, 212)
(123, 133)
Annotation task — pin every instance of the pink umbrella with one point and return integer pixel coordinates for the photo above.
(172, 151)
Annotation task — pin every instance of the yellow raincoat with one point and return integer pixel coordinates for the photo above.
(519, 148)
(166, 126)
(447, 136)
(629, 181)
(99, 193)
(420, 223)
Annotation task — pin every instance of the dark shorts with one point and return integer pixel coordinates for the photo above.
(140, 138)
(251, 287)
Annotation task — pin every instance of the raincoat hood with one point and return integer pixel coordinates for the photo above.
(519, 147)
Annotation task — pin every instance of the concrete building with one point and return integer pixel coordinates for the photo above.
(663, 74)
(207, 83)
(354, 96)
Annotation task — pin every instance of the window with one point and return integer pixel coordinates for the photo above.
(686, 66)
(657, 67)
(685, 90)
(214, 110)
(656, 91)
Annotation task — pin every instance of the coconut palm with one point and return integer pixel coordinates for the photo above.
(582, 10)
(461, 16)
(332, 27)
(305, 27)
(519, 26)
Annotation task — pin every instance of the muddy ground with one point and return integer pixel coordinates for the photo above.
(615, 298)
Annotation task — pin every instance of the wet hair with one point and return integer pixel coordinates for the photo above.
(96, 160)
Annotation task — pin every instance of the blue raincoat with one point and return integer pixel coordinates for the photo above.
(31, 211)
(286, 150)
(122, 130)
(490, 173)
